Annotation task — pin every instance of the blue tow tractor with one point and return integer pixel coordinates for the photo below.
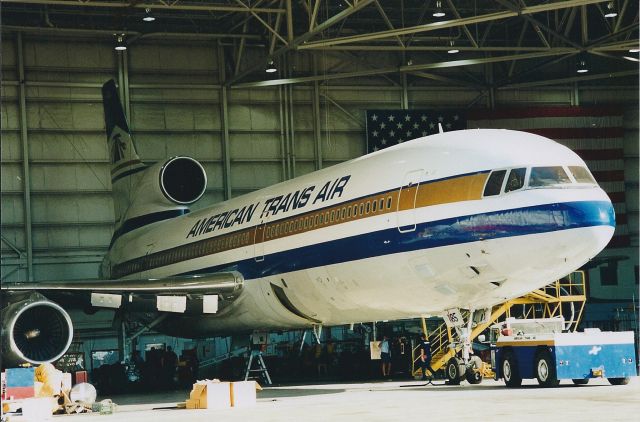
(538, 348)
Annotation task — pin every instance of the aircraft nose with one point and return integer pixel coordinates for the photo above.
(599, 218)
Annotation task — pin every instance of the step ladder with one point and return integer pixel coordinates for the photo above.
(261, 370)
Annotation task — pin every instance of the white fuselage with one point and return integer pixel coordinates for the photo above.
(316, 249)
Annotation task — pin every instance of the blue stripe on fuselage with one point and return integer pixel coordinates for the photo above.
(451, 231)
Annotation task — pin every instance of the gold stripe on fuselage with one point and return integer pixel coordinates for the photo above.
(455, 189)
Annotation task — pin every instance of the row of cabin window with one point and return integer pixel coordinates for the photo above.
(538, 177)
(328, 217)
(199, 249)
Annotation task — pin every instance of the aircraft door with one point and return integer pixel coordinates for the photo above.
(260, 236)
(405, 212)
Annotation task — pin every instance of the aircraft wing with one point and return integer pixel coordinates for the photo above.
(165, 294)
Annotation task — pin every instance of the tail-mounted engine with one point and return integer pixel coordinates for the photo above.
(34, 330)
(169, 185)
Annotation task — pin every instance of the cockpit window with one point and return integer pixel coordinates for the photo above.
(548, 176)
(581, 174)
(494, 184)
(515, 180)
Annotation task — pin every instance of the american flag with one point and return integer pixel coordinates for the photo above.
(594, 133)
(391, 127)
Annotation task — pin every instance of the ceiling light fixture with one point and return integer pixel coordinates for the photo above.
(634, 50)
(271, 67)
(120, 45)
(452, 48)
(631, 59)
(148, 17)
(611, 10)
(582, 66)
(439, 12)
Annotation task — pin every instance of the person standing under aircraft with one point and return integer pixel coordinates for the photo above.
(425, 357)
(385, 355)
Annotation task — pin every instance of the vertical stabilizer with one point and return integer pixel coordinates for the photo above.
(125, 162)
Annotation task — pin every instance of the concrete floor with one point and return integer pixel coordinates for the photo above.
(394, 401)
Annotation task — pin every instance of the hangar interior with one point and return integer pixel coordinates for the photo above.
(194, 82)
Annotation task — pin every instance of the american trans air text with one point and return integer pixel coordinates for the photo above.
(273, 206)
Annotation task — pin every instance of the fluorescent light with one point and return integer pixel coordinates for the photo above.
(632, 59)
(634, 50)
(439, 12)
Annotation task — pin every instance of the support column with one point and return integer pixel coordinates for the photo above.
(405, 91)
(125, 88)
(26, 170)
(224, 122)
(317, 128)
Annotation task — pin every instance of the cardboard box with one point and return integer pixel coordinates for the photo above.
(243, 394)
(211, 395)
(192, 404)
(37, 409)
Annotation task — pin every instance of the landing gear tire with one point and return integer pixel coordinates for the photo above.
(454, 374)
(510, 372)
(473, 374)
(546, 369)
(618, 381)
(581, 381)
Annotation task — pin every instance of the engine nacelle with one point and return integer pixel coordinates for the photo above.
(34, 330)
(169, 185)
(182, 180)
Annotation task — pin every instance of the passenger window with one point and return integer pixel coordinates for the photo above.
(548, 176)
(367, 206)
(389, 202)
(381, 204)
(515, 180)
(374, 206)
(494, 183)
(355, 210)
(581, 174)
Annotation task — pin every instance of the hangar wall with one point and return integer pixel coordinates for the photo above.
(177, 106)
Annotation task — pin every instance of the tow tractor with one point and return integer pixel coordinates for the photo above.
(538, 348)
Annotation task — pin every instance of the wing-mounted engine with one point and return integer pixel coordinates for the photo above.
(169, 185)
(34, 329)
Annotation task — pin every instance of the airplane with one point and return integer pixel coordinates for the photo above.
(467, 218)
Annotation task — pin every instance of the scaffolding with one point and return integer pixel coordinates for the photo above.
(565, 297)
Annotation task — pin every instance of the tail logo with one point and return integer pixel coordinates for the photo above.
(117, 151)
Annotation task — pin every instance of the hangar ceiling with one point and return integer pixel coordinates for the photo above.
(500, 44)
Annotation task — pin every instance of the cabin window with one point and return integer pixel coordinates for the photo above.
(548, 176)
(494, 183)
(333, 215)
(389, 202)
(581, 174)
(348, 212)
(515, 180)
(343, 213)
(355, 210)
(381, 206)
(321, 218)
(361, 210)
(317, 220)
(374, 206)
(367, 207)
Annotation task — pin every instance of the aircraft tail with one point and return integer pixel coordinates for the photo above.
(125, 162)
(143, 194)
